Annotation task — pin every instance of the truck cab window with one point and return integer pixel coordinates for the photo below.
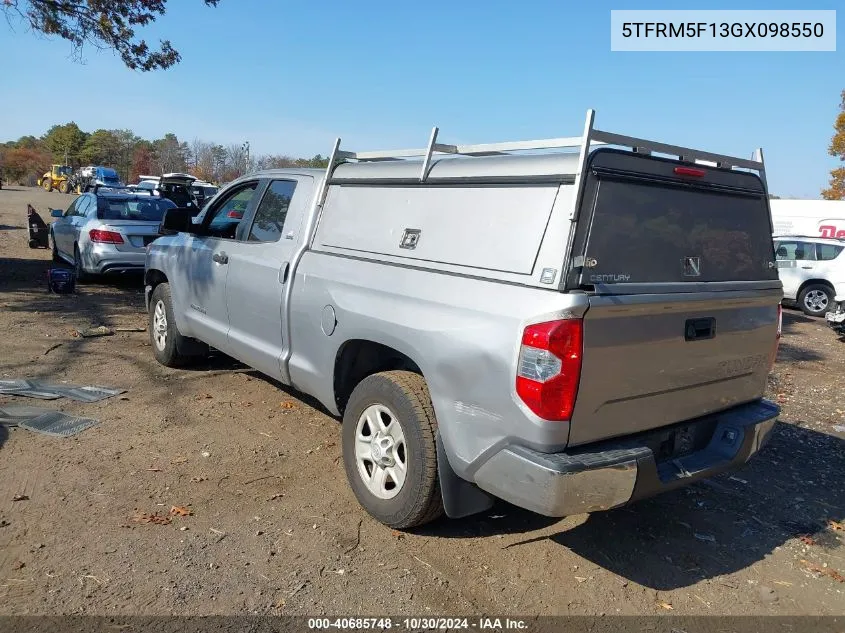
(224, 218)
(271, 213)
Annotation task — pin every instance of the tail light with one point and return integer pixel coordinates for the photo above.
(689, 171)
(777, 338)
(550, 367)
(105, 237)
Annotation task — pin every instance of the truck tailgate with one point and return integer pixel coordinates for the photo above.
(653, 360)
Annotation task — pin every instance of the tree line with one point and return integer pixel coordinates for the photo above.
(131, 156)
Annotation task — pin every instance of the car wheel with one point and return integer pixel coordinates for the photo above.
(170, 348)
(389, 449)
(56, 257)
(815, 300)
(81, 275)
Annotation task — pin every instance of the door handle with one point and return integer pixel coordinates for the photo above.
(807, 267)
(220, 258)
(283, 273)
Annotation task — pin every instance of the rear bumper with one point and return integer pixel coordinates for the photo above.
(617, 472)
(105, 259)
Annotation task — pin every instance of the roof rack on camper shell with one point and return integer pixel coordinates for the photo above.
(583, 143)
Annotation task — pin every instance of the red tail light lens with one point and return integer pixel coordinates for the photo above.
(550, 367)
(105, 237)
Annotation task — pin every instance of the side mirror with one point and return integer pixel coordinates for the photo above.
(56, 213)
(177, 220)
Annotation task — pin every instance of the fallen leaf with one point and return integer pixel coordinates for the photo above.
(825, 571)
(20, 498)
(287, 404)
(280, 603)
(181, 511)
(836, 525)
(807, 539)
(398, 534)
(665, 605)
(156, 519)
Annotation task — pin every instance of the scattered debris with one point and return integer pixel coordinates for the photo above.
(154, 469)
(278, 495)
(742, 481)
(807, 539)
(52, 347)
(205, 454)
(93, 332)
(181, 511)
(130, 329)
(709, 538)
(156, 519)
(835, 525)
(839, 427)
(18, 565)
(297, 589)
(4, 523)
(824, 571)
(665, 605)
(20, 498)
(57, 424)
(196, 480)
(50, 391)
(178, 460)
(580, 578)
(287, 404)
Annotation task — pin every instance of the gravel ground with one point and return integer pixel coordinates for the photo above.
(274, 528)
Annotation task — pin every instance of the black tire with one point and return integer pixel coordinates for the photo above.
(81, 275)
(64, 187)
(406, 395)
(178, 350)
(815, 300)
(47, 184)
(56, 257)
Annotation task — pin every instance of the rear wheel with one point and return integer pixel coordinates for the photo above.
(389, 449)
(815, 299)
(64, 187)
(81, 275)
(170, 348)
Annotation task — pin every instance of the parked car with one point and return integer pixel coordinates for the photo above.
(812, 270)
(491, 325)
(106, 232)
(173, 186)
(203, 192)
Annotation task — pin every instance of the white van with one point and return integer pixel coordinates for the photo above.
(811, 218)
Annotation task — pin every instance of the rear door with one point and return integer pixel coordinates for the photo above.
(796, 262)
(678, 262)
(259, 271)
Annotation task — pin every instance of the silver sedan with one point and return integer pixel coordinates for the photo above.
(106, 233)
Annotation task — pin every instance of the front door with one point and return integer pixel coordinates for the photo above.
(200, 281)
(259, 270)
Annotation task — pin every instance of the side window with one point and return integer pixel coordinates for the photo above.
(81, 206)
(270, 216)
(805, 251)
(72, 208)
(223, 219)
(785, 251)
(827, 252)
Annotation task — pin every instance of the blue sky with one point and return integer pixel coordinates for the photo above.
(380, 74)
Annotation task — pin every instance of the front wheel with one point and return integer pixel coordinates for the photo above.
(47, 184)
(815, 300)
(64, 187)
(389, 449)
(170, 348)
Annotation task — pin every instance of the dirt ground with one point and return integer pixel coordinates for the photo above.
(275, 528)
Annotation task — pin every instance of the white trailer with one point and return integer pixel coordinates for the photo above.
(812, 218)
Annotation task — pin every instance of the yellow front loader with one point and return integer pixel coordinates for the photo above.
(56, 178)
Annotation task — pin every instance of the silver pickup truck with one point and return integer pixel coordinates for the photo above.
(569, 324)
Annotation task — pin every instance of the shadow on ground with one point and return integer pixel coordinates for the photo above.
(713, 528)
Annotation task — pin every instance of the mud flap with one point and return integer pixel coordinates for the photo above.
(461, 498)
